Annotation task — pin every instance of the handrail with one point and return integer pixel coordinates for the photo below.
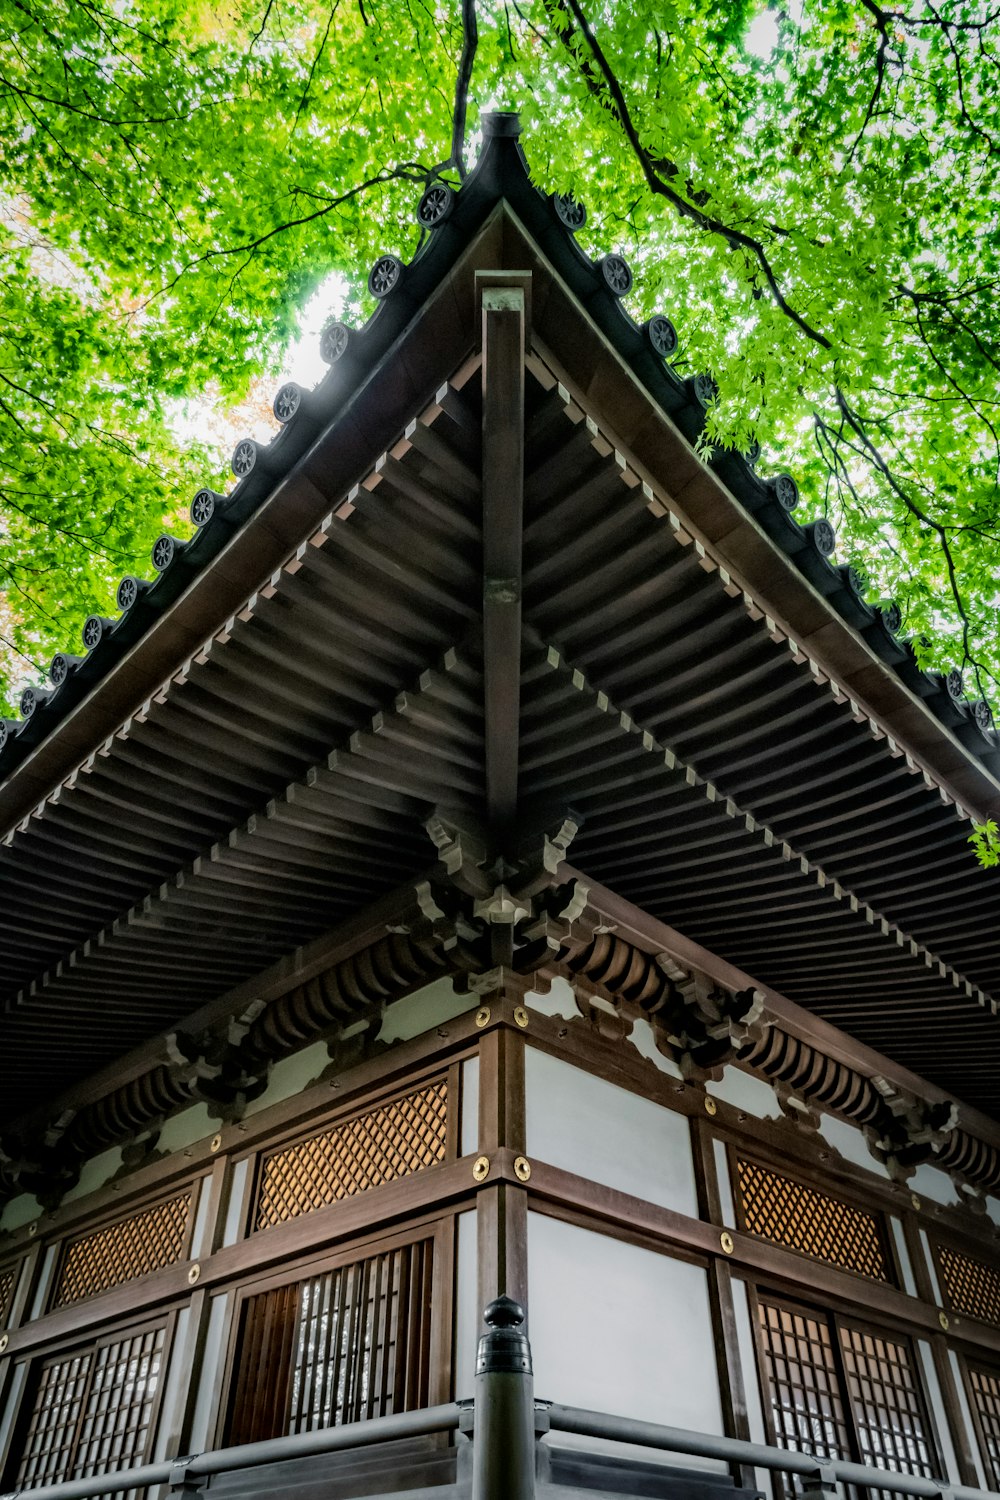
(181, 1473)
(825, 1471)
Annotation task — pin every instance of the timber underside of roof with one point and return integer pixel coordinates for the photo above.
(279, 783)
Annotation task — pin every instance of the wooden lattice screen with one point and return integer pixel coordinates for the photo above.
(841, 1391)
(8, 1277)
(343, 1346)
(92, 1412)
(971, 1286)
(392, 1141)
(885, 1397)
(984, 1387)
(121, 1252)
(804, 1219)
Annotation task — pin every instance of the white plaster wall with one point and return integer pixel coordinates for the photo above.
(469, 1137)
(754, 1096)
(586, 1125)
(903, 1253)
(237, 1184)
(290, 1076)
(725, 1182)
(933, 1388)
(175, 1389)
(467, 1311)
(620, 1329)
(966, 1416)
(432, 1006)
(210, 1379)
(13, 1397)
(931, 1182)
(751, 1380)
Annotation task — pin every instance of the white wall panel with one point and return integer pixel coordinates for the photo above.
(594, 1128)
(468, 1314)
(469, 1137)
(620, 1329)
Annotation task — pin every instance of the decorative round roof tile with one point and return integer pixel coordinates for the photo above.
(287, 401)
(333, 342)
(983, 715)
(824, 537)
(59, 668)
(94, 627)
(786, 491)
(203, 507)
(662, 335)
(752, 453)
(5, 732)
(244, 457)
(704, 390)
(856, 581)
(129, 590)
(435, 206)
(617, 274)
(892, 617)
(570, 212)
(28, 702)
(384, 276)
(955, 683)
(163, 553)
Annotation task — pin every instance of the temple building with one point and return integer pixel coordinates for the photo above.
(502, 852)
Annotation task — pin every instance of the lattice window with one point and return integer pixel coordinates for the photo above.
(984, 1388)
(344, 1346)
(8, 1279)
(971, 1286)
(93, 1411)
(804, 1219)
(132, 1247)
(888, 1408)
(390, 1142)
(840, 1391)
(804, 1382)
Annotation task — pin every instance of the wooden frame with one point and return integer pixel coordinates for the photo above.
(439, 1229)
(65, 1348)
(835, 1320)
(795, 1174)
(990, 1465)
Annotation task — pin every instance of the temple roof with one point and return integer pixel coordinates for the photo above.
(246, 757)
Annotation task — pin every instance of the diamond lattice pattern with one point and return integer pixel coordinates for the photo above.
(132, 1247)
(6, 1292)
(972, 1286)
(806, 1220)
(390, 1142)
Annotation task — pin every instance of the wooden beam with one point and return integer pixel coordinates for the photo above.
(504, 319)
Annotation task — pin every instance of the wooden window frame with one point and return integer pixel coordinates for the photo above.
(440, 1228)
(857, 1203)
(39, 1359)
(969, 1250)
(835, 1318)
(362, 1102)
(110, 1221)
(966, 1364)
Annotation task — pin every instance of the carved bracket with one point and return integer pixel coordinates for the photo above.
(908, 1131)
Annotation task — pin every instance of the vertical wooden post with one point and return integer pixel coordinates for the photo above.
(502, 1215)
(504, 317)
(720, 1291)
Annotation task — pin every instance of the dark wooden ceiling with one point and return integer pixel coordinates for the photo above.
(275, 780)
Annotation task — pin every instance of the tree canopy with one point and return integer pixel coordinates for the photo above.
(809, 192)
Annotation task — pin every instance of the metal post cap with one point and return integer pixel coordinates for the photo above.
(504, 1349)
(500, 122)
